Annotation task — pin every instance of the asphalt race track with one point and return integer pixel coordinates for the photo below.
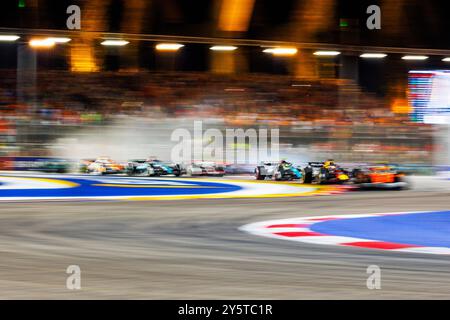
(193, 249)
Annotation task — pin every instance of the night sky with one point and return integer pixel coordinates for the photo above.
(422, 24)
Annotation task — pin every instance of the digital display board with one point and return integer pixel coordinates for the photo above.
(429, 96)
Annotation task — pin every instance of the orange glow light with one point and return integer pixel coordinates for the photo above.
(235, 15)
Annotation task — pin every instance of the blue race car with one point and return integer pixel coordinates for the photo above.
(167, 168)
(141, 167)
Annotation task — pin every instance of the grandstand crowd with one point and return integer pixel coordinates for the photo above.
(324, 112)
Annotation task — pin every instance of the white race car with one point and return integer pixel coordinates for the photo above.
(205, 168)
(265, 169)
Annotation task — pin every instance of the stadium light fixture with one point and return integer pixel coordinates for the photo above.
(117, 43)
(414, 57)
(168, 46)
(327, 53)
(223, 48)
(446, 59)
(281, 51)
(41, 43)
(373, 55)
(59, 39)
(4, 37)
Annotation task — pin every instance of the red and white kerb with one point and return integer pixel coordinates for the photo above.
(298, 229)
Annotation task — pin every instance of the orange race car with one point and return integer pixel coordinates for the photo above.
(383, 177)
(104, 165)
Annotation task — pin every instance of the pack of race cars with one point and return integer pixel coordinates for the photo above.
(150, 167)
(328, 172)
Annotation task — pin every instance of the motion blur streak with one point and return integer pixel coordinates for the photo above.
(82, 58)
(235, 15)
(312, 18)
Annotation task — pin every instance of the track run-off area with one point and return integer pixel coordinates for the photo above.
(199, 246)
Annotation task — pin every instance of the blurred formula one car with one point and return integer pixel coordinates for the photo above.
(142, 167)
(205, 168)
(54, 166)
(153, 167)
(84, 164)
(278, 171)
(104, 165)
(234, 168)
(167, 168)
(379, 177)
(325, 173)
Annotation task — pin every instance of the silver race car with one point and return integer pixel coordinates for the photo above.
(205, 168)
